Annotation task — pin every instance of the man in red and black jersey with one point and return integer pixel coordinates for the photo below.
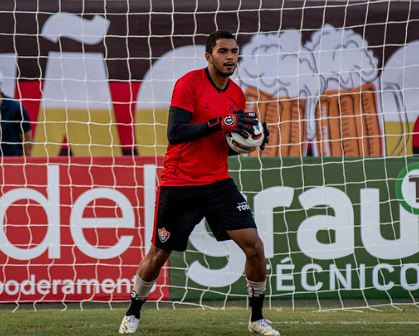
(195, 182)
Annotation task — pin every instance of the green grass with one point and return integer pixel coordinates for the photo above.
(51, 320)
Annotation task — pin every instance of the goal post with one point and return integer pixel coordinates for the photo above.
(334, 194)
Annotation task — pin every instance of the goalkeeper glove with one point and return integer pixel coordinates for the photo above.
(265, 136)
(240, 122)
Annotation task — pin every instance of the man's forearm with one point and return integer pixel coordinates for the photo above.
(27, 143)
(27, 148)
(180, 131)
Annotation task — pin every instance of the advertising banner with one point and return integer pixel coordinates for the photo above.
(75, 230)
(331, 229)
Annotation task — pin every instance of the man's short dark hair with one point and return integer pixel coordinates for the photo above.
(215, 36)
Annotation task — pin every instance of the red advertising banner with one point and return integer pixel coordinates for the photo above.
(75, 228)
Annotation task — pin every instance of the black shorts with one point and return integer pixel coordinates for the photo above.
(180, 209)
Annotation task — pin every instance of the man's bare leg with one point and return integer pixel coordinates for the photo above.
(148, 271)
(255, 269)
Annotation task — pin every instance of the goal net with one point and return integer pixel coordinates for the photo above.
(334, 194)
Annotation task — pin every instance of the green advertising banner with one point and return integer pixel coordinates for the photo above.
(332, 228)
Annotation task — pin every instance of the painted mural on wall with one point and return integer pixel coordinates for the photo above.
(330, 93)
(323, 94)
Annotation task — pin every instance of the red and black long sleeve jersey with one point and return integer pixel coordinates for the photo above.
(203, 160)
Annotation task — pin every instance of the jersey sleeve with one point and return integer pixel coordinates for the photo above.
(183, 94)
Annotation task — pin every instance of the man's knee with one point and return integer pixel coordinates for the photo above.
(249, 241)
(254, 249)
(157, 256)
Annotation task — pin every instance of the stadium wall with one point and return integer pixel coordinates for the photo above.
(97, 78)
(337, 210)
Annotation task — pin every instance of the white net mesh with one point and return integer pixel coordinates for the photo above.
(334, 194)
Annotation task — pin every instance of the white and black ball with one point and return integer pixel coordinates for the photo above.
(241, 145)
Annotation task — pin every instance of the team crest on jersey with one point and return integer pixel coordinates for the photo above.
(163, 235)
(233, 108)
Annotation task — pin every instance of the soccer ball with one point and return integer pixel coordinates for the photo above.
(244, 146)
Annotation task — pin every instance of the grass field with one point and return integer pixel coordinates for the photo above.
(52, 320)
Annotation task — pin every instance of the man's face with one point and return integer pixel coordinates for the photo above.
(224, 57)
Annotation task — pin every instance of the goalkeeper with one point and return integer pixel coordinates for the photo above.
(195, 182)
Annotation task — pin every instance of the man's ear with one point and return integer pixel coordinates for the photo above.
(208, 57)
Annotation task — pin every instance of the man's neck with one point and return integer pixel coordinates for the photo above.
(219, 81)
